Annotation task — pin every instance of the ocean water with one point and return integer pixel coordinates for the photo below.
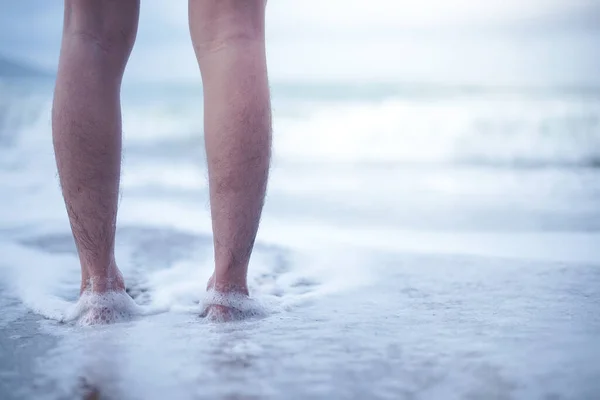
(417, 243)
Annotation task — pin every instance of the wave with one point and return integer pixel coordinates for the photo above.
(473, 131)
(480, 129)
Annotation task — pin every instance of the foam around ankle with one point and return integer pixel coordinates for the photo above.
(242, 305)
(103, 308)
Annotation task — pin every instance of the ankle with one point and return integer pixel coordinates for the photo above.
(227, 285)
(231, 288)
(104, 280)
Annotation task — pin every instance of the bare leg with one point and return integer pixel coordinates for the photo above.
(229, 42)
(98, 36)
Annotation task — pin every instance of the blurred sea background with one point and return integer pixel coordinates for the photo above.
(432, 226)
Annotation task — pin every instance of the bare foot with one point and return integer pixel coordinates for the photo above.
(103, 299)
(219, 313)
(225, 302)
(94, 308)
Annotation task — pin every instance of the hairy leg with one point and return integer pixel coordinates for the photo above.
(229, 42)
(98, 36)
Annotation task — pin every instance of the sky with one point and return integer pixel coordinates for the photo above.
(487, 42)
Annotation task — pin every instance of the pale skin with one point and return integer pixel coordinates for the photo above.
(229, 43)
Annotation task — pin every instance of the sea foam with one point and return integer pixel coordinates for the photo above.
(230, 306)
(103, 308)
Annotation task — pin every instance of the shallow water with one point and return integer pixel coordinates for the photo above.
(413, 326)
(452, 266)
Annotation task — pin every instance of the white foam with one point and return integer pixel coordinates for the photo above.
(179, 287)
(37, 279)
(182, 287)
(45, 283)
(233, 306)
(102, 308)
